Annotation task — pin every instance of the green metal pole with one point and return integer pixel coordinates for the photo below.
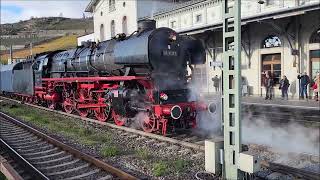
(231, 87)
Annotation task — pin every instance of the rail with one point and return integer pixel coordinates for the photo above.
(272, 166)
(80, 155)
(300, 173)
(22, 161)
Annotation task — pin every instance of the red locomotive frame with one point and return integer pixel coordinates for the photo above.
(83, 95)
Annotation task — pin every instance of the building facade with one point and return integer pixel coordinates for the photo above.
(112, 17)
(281, 37)
(85, 38)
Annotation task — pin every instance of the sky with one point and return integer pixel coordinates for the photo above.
(16, 10)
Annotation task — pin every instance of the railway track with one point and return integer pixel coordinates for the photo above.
(42, 157)
(186, 140)
(295, 172)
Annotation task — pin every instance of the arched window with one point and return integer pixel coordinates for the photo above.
(112, 5)
(113, 29)
(102, 32)
(124, 25)
(315, 37)
(271, 41)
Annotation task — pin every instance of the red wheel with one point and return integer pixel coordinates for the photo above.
(118, 120)
(100, 114)
(30, 100)
(68, 105)
(148, 123)
(83, 112)
(51, 105)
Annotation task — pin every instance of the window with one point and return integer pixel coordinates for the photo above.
(173, 24)
(315, 62)
(271, 41)
(315, 37)
(112, 29)
(102, 32)
(124, 4)
(199, 18)
(271, 64)
(101, 13)
(112, 5)
(124, 25)
(271, 2)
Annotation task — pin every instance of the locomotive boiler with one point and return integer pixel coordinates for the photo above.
(142, 79)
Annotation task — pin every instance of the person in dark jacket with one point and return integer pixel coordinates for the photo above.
(268, 83)
(284, 85)
(304, 81)
(216, 83)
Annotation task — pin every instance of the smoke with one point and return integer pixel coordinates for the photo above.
(291, 137)
(138, 120)
(208, 125)
(282, 138)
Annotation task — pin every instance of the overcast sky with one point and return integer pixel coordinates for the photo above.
(16, 10)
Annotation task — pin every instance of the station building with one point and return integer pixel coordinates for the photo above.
(281, 37)
(112, 17)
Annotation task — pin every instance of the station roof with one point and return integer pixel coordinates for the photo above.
(91, 4)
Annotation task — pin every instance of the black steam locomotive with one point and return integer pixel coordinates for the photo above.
(140, 78)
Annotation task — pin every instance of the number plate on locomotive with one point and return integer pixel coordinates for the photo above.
(168, 52)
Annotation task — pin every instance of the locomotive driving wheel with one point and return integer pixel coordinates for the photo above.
(68, 103)
(51, 105)
(148, 123)
(83, 94)
(102, 113)
(118, 119)
(83, 112)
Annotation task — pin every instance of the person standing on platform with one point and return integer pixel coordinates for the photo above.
(304, 81)
(216, 83)
(316, 86)
(284, 86)
(269, 85)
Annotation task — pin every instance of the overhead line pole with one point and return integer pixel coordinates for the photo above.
(231, 87)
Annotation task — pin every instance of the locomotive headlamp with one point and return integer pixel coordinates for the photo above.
(164, 96)
(173, 37)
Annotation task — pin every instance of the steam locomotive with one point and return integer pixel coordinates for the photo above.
(141, 78)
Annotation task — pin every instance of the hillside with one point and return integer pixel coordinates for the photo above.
(46, 23)
(65, 42)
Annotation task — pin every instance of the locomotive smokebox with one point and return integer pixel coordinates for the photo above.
(146, 25)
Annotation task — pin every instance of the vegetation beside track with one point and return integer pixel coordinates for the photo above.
(2, 177)
(65, 42)
(107, 144)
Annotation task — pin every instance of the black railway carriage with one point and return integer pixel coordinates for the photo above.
(144, 73)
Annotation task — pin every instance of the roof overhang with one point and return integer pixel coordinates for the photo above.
(91, 5)
(274, 15)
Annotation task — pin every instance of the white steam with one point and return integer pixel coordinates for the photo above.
(279, 137)
(291, 137)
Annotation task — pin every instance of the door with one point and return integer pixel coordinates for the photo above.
(271, 64)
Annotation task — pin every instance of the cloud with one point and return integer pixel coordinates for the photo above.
(16, 10)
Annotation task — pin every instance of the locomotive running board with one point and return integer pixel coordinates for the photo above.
(92, 79)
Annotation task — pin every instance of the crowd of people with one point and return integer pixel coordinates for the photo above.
(284, 84)
(304, 82)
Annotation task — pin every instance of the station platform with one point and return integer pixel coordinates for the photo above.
(278, 102)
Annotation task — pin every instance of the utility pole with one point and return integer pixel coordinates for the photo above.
(31, 53)
(226, 156)
(231, 87)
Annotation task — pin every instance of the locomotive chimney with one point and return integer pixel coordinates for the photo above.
(146, 25)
